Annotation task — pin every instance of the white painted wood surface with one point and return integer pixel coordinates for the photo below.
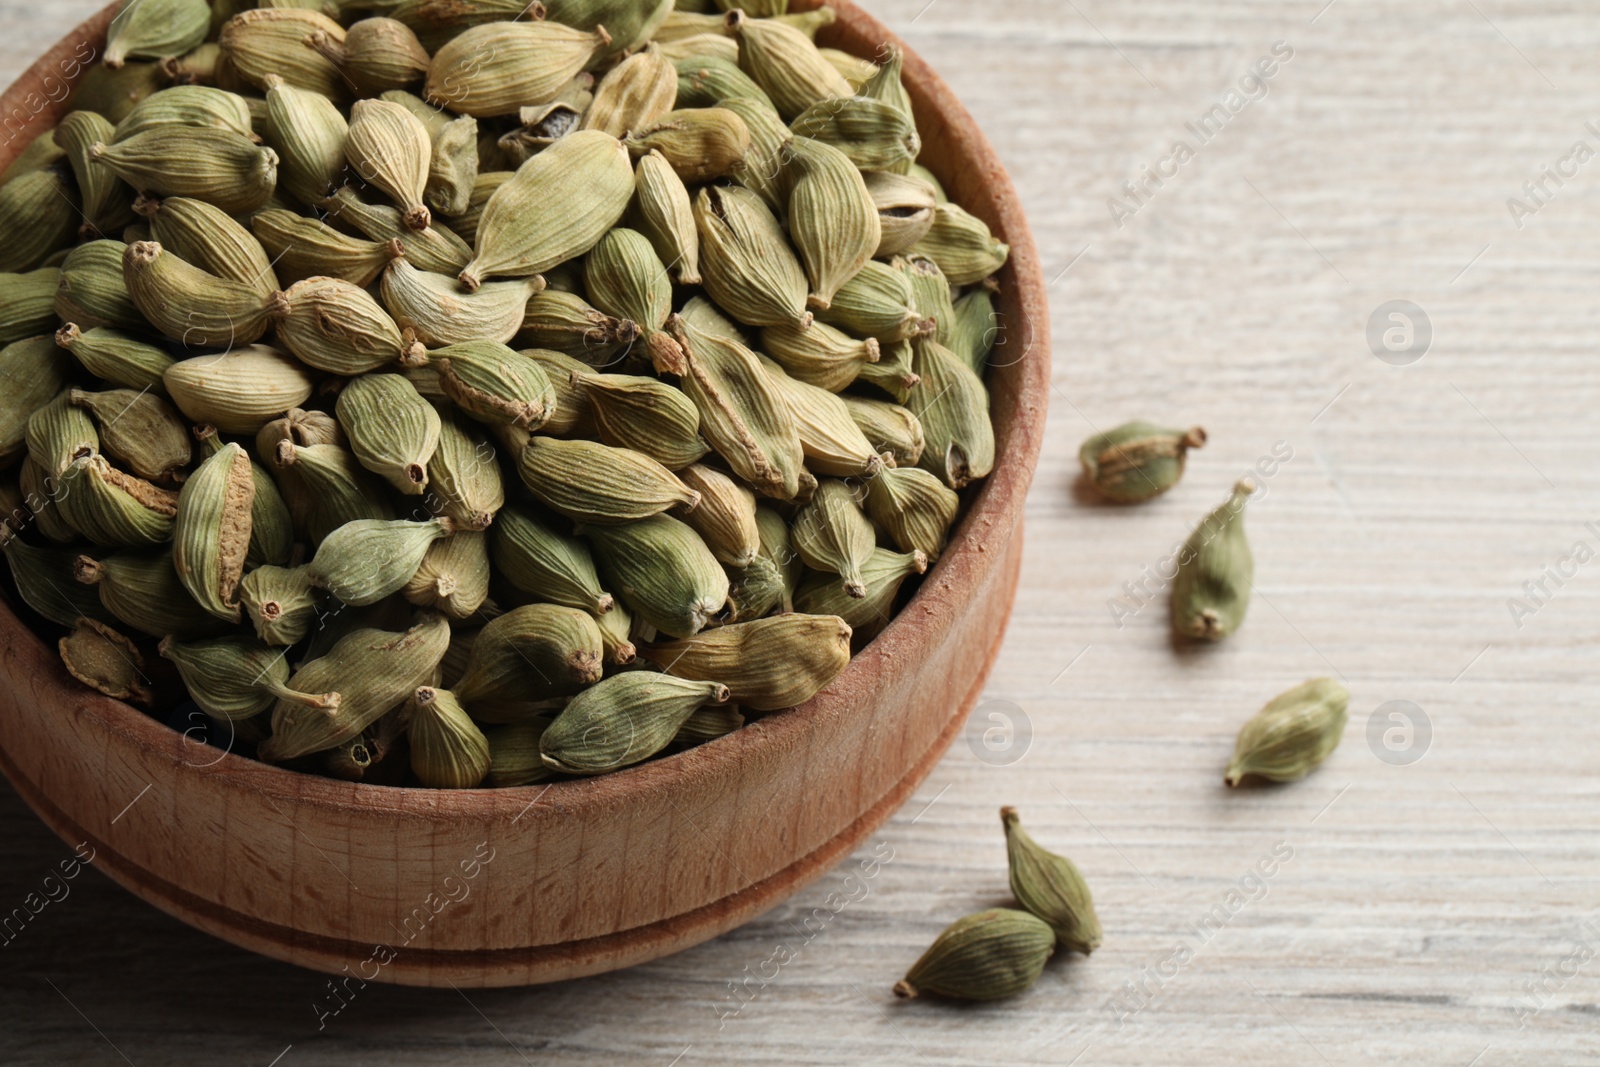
(1443, 911)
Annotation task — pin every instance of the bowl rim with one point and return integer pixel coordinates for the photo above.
(992, 505)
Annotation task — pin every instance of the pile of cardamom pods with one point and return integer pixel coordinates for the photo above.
(477, 393)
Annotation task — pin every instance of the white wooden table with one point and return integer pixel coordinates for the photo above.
(1444, 910)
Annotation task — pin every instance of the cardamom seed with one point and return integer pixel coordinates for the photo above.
(1050, 887)
(623, 720)
(987, 956)
(1216, 572)
(1138, 460)
(448, 751)
(1292, 735)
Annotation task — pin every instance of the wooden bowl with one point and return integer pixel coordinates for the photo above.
(516, 886)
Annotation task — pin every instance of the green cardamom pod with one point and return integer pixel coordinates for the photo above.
(464, 481)
(197, 66)
(988, 956)
(391, 150)
(341, 489)
(633, 94)
(725, 517)
(768, 584)
(44, 580)
(39, 493)
(114, 356)
(645, 415)
(32, 375)
(336, 326)
(1138, 460)
(91, 291)
(882, 575)
(562, 322)
(393, 431)
(531, 553)
(1050, 887)
(436, 250)
(106, 200)
(708, 724)
(155, 29)
(543, 125)
(195, 106)
(448, 751)
(139, 430)
(259, 43)
(930, 293)
(595, 483)
(40, 216)
(873, 134)
(832, 443)
(905, 205)
(807, 22)
(953, 407)
(211, 536)
(453, 576)
(364, 561)
(742, 414)
(114, 93)
(914, 507)
(369, 670)
(706, 81)
(625, 278)
(665, 216)
(875, 303)
(306, 249)
(239, 391)
(886, 83)
(231, 678)
(497, 68)
(40, 152)
(767, 664)
(143, 591)
(115, 509)
(962, 246)
(892, 373)
(747, 264)
(1292, 735)
(206, 237)
(376, 55)
(271, 524)
(494, 384)
(977, 326)
(764, 164)
(191, 306)
(663, 571)
(701, 144)
(439, 314)
(217, 166)
(308, 131)
(819, 355)
(888, 428)
(833, 221)
(103, 659)
(526, 657)
(281, 602)
(59, 432)
(453, 171)
(1216, 572)
(631, 22)
(832, 535)
(558, 205)
(27, 304)
(514, 755)
(623, 720)
(785, 62)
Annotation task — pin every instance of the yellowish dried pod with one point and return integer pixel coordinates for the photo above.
(749, 267)
(874, 134)
(217, 166)
(266, 41)
(209, 238)
(191, 306)
(633, 94)
(832, 442)
(453, 576)
(882, 576)
(336, 326)
(376, 55)
(889, 427)
(663, 571)
(785, 62)
(853, 68)
(105, 660)
(702, 144)
(239, 391)
(390, 149)
(725, 518)
(308, 131)
(556, 207)
(307, 249)
(501, 67)
(665, 216)
(138, 429)
(914, 507)
(435, 309)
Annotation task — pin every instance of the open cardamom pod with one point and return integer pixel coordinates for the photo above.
(113, 508)
(103, 659)
(211, 533)
(1138, 460)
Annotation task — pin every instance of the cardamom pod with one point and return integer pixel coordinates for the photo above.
(436, 250)
(819, 355)
(366, 560)
(526, 657)
(281, 603)
(439, 314)
(742, 414)
(1138, 460)
(114, 93)
(962, 246)
(267, 41)
(764, 164)
(953, 407)
(571, 336)
(91, 291)
(59, 432)
(453, 576)
(595, 483)
(196, 106)
(556, 207)
(886, 84)
(370, 671)
(465, 223)
(807, 22)
(977, 326)
(497, 68)
(239, 391)
(103, 659)
(1216, 572)
(307, 249)
(905, 206)
(448, 751)
(142, 590)
(514, 755)
(623, 720)
(377, 54)
(112, 355)
(211, 535)
(40, 216)
(633, 94)
(464, 481)
(453, 170)
(785, 62)
(271, 523)
(1292, 735)
(631, 22)
(105, 199)
(987, 956)
(32, 374)
(833, 221)
(217, 166)
(873, 134)
(494, 384)
(1050, 887)
(393, 431)
(40, 490)
(930, 293)
(115, 509)
(767, 664)
(542, 126)
(308, 131)
(725, 517)
(191, 306)
(340, 489)
(625, 278)
(390, 149)
(231, 678)
(747, 264)
(831, 534)
(875, 303)
(44, 580)
(832, 443)
(663, 571)
(701, 144)
(700, 44)
(645, 415)
(206, 237)
(27, 304)
(882, 575)
(770, 581)
(336, 326)
(155, 29)
(39, 153)
(665, 216)
(707, 80)
(888, 428)
(536, 557)
(914, 507)
(139, 430)
(708, 724)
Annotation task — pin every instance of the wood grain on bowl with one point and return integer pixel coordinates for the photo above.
(514, 886)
